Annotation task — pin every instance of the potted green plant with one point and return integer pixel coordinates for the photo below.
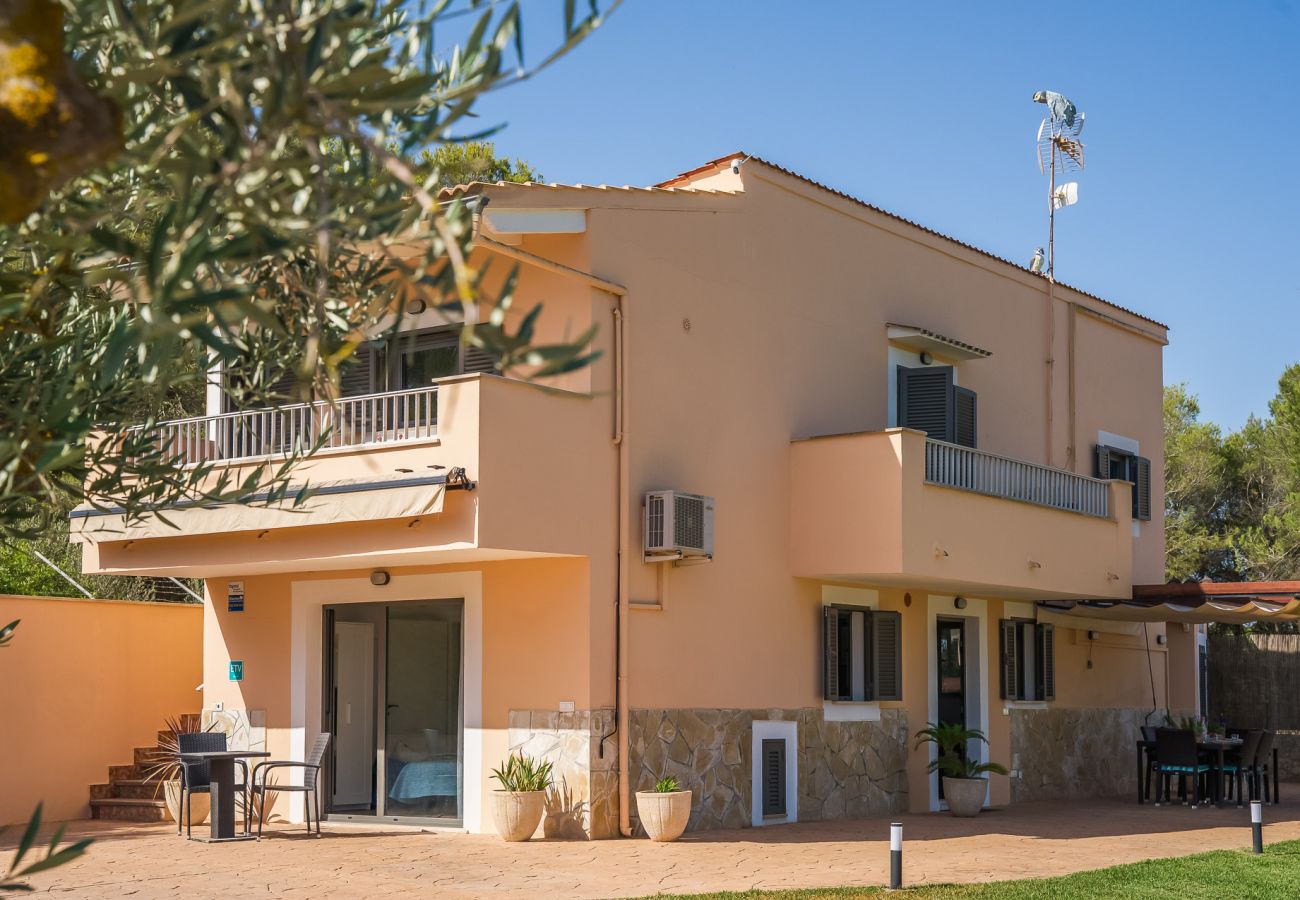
(965, 786)
(518, 806)
(1187, 723)
(665, 810)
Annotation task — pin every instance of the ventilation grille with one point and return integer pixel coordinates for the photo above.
(688, 524)
(654, 521)
(773, 777)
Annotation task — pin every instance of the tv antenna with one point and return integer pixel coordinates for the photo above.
(1059, 152)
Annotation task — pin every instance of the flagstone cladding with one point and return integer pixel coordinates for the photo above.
(846, 769)
(1074, 753)
(583, 799)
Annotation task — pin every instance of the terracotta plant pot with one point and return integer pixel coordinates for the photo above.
(664, 816)
(200, 804)
(965, 796)
(517, 814)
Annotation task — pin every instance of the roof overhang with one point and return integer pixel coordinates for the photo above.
(1194, 602)
(518, 221)
(918, 338)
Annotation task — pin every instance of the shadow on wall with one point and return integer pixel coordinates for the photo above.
(565, 812)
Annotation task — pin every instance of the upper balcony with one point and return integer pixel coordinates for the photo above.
(895, 508)
(383, 485)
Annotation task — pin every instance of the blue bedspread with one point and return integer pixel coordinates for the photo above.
(430, 778)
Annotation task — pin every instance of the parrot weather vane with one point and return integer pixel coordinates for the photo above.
(1059, 151)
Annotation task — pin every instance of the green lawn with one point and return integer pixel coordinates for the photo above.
(1229, 874)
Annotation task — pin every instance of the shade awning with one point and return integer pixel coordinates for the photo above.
(325, 503)
(919, 338)
(1194, 602)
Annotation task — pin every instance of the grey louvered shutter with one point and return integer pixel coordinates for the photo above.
(1142, 488)
(773, 772)
(963, 416)
(831, 653)
(887, 655)
(925, 400)
(476, 359)
(1046, 661)
(1101, 462)
(362, 375)
(283, 389)
(1008, 660)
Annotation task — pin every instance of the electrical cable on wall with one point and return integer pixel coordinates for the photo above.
(1150, 671)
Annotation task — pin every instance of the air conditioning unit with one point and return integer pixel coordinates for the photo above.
(678, 526)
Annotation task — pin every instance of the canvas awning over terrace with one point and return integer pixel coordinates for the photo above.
(326, 503)
(1194, 602)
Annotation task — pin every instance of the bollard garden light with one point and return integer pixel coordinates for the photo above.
(1257, 825)
(895, 856)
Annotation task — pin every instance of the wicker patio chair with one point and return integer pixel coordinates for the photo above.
(196, 776)
(1177, 754)
(310, 787)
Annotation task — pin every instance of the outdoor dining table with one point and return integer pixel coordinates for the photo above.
(221, 778)
(1217, 746)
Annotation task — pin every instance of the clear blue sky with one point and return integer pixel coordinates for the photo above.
(1188, 209)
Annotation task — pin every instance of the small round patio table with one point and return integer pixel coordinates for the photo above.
(221, 779)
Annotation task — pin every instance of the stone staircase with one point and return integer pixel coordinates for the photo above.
(127, 796)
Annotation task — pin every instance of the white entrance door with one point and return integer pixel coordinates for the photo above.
(354, 740)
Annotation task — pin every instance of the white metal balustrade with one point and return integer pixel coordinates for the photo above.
(388, 418)
(954, 466)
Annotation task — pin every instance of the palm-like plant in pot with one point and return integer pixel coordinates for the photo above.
(164, 769)
(965, 786)
(518, 806)
(664, 811)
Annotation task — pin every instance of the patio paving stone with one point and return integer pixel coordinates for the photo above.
(1038, 839)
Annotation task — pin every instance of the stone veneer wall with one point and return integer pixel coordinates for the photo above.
(1066, 753)
(1288, 755)
(846, 769)
(583, 802)
(245, 729)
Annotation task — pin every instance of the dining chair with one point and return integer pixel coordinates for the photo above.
(310, 787)
(1262, 768)
(1177, 754)
(1148, 735)
(1239, 761)
(196, 775)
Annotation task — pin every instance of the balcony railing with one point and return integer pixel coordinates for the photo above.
(389, 418)
(954, 466)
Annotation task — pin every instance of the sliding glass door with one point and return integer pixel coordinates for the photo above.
(423, 710)
(395, 710)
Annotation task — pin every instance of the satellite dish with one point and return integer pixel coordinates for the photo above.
(1065, 195)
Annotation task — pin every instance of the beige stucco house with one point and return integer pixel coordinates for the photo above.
(906, 473)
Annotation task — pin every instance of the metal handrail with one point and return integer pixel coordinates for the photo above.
(384, 418)
(994, 475)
